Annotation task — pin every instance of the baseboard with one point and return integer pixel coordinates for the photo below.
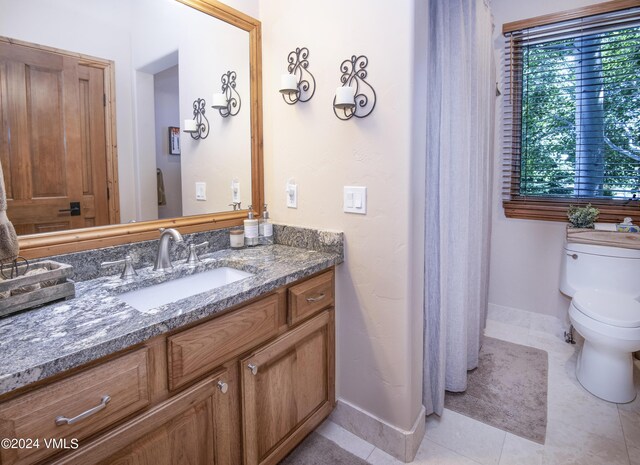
(397, 442)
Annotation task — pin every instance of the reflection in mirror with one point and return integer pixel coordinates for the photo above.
(76, 75)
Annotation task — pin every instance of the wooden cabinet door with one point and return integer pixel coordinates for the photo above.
(52, 139)
(288, 389)
(190, 428)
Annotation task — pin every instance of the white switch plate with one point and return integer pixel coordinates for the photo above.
(201, 191)
(355, 199)
(292, 195)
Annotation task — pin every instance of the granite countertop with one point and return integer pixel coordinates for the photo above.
(40, 343)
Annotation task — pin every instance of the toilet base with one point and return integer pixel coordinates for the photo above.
(606, 373)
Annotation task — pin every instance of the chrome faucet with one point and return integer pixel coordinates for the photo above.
(163, 260)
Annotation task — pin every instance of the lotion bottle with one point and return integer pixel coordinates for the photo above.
(251, 229)
(266, 228)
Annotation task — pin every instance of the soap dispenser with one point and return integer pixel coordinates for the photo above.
(251, 229)
(265, 228)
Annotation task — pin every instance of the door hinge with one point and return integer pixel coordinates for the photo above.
(104, 100)
(108, 193)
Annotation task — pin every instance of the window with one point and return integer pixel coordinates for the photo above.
(572, 114)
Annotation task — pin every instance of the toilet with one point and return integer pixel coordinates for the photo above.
(604, 284)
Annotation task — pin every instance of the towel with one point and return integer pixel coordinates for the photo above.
(9, 248)
(162, 199)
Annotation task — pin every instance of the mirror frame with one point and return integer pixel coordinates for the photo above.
(76, 240)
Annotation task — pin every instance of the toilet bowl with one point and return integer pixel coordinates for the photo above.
(605, 310)
(610, 325)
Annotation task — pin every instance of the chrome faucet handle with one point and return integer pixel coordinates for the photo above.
(236, 206)
(128, 270)
(193, 254)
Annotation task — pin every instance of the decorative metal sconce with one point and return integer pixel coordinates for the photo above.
(198, 127)
(228, 102)
(296, 86)
(355, 97)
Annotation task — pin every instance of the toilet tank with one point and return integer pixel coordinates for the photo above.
(586, 266)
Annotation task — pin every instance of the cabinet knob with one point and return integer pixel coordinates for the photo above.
(253, 368)
(224, 387)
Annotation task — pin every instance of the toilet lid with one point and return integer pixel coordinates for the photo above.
(608, 307)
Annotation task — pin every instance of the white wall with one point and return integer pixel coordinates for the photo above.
(225, 154)
(167, 114)
(378, 311)
(525, 254)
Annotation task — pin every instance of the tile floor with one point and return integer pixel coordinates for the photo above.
(581, 429)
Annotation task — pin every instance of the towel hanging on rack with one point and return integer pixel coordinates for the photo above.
(162, 198)
(9, 247)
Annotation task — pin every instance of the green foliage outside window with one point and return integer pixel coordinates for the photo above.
(590, 153)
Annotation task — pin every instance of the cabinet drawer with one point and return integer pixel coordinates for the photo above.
(106, 393)
(311, 296)
(189, 428)
(198, 350)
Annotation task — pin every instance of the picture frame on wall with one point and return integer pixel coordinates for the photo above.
(174, 140)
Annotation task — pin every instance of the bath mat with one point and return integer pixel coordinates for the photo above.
(508, 390)
(318, 450)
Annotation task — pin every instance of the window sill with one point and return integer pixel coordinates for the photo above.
(556, 210)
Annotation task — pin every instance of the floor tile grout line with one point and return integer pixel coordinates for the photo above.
(624, 436)
(454, 452)
(370, 453)
(504, 441)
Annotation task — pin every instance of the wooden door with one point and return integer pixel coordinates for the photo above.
(190, 428)
(288, 389)
(52, 139)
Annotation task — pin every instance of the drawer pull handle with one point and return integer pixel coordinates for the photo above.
(70, 421)
(316, 298)
(253, 368)
(224, 387)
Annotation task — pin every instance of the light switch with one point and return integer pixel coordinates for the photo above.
(201, 191)
(355, 199)
(349, 201)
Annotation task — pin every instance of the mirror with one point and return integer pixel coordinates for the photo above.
(158, 58)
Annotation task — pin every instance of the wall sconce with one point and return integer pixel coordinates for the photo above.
(227, 102)
(198, 127)
(355, 97)
(296, 86)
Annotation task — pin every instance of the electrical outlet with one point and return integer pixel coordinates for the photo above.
(355, 199)
(235, 191)
(292, 195)
(201, 191)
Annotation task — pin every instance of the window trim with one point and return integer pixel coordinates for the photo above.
(548, 208)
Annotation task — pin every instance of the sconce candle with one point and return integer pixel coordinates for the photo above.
(298, 85)
(190, 125)
(288, 84)
(228, 102)
(219, 101)
(356, 97)
(345, 97)
(198, 127)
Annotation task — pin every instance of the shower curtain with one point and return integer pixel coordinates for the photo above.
(461, 98)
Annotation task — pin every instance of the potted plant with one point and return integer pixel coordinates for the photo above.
(582, 217)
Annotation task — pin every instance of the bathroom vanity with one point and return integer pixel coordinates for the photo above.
(237, 375)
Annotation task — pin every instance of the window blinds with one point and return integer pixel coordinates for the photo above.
(571, 112)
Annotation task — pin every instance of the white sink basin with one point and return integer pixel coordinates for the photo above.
(157, 295)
